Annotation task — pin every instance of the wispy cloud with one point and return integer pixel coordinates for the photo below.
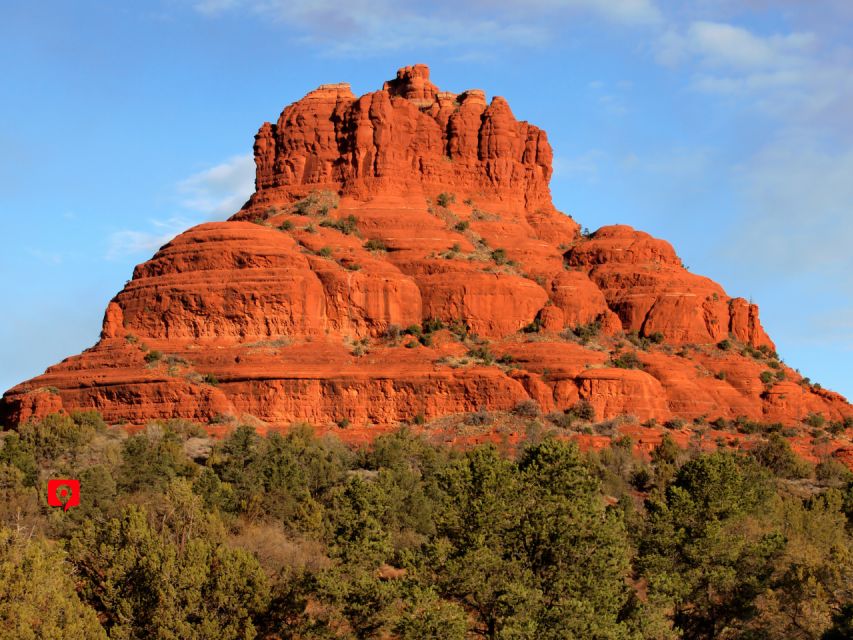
(722, 45)
(211, 194)
(129, 242)
(366, 27)
(222, 189)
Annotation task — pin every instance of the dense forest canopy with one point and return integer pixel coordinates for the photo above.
(178, 536)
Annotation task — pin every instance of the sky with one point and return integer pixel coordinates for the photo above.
(722, 126)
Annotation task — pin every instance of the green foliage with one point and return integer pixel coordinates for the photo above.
(291, 535)
(462, 225)
(482, 354)
(583, 333)
(325, 252)
(316, 203)
(151, 460)
(703, 553)
(38, 598)
(175, 579)
(445, 199)
(775, 454)
(375, 244)
(499, 256)
(627, 360)
(527, 408)
(153, 356)
(815, 420)
(347, 226)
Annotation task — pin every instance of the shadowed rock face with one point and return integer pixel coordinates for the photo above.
(378, 212)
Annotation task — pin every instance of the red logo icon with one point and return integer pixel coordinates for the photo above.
(63, 493)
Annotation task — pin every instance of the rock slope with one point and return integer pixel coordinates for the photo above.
(416, 208)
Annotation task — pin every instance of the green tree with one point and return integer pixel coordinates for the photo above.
(707, 552)
(175, 581)
(813, 578)
(425, 615)
(37, 595)
(151, 460)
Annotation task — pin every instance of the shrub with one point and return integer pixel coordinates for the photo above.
(419, 419)
(627, 360)
(775, 454)
(527, 408)
(815, 420)
(724, 345)
(153, 356)
(483, 354)
(674, 423)
(499, 256)
(657, 337)
(325, 252)
(392, 332)
(431, 325)
(766, 377)
(720, 375)
(832, 472)
(583, 333)
(413, 330)
(561, 419)
(316, 202)
(641, 479)
(720, 423)
(343, 423)
(747, 426)
(535, 326)
(287, 225)
(210, 379)
(462, 226)
(583, 410)
(347, 226)
(445, 199)
(767, 352)
(478, 418)
(374, 244)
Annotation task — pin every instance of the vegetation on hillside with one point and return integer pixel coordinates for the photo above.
(295, 536)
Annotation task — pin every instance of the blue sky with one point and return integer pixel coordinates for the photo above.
(722, 126)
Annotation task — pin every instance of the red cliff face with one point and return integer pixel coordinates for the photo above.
(380, 212)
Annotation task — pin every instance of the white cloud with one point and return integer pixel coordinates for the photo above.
(222, 189)
(723, 45)
(129, 242)
(211, 194)
(365, 27)
(629, 12)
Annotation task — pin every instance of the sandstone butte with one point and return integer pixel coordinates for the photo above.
(405, 205)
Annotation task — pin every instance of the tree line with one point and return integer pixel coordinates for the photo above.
(297, 536)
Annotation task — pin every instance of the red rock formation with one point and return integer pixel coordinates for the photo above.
(375, 213)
